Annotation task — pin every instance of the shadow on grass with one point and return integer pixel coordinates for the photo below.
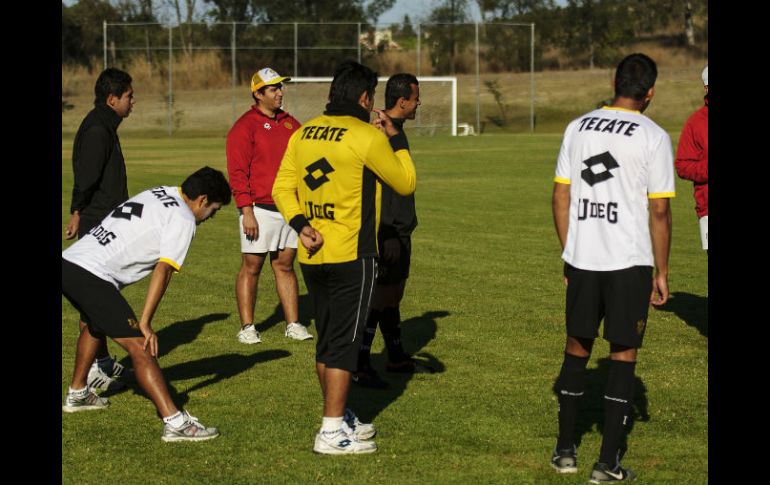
(591, 413)
(217, 368)
(305, 304)
(416, 333)
(693, 309)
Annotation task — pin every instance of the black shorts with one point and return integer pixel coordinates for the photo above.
(396, 272)
(621, 298)
(341, 295)
(100, 304)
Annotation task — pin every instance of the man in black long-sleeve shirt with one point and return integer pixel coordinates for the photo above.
(100, 184)
(397, 221)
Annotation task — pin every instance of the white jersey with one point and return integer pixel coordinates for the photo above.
(155, 225)
(614, 160)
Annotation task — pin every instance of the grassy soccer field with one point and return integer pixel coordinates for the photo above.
(484, 303)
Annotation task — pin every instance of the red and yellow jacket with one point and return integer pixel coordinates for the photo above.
(255, 146)
(692, 157)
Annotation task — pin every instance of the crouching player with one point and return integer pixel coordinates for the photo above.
(149, 233)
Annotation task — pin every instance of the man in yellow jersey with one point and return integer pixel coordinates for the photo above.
(326, 188)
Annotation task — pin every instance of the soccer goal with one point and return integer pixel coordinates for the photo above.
(306, 98)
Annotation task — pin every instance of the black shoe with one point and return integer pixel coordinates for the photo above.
(409, 365)
(369, 378)
(602, 473)
(565, 461)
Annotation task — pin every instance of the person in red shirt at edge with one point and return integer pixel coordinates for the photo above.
(255, 147)
(692, 159)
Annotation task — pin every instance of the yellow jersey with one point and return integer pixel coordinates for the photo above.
(329, 176)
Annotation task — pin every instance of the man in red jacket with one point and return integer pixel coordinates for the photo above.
(692, 159)
(255, 147)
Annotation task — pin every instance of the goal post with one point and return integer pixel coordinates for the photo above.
(306, 98)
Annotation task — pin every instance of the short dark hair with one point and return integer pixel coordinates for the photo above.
(209, 182)
(635, 75)
(111, 81)
(399, 86)
(351, 79)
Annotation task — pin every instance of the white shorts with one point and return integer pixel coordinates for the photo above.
(704, 231)
(274, 233)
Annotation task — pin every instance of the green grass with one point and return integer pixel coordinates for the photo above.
(484, 302)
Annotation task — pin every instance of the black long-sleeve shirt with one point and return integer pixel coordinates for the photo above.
(398, 217)
(98, 165)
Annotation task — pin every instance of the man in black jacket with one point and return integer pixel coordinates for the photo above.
(397, 221)
(100, 184)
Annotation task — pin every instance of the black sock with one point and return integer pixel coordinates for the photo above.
(569, 387)
(390, 324)
(618, 396)
(366, 344)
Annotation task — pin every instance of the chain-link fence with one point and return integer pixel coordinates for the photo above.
(195, 77)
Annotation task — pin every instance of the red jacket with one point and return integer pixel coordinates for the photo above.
(255, 147)
(692, 157)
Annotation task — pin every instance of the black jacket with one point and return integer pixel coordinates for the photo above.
(98, 165)
(398, 217)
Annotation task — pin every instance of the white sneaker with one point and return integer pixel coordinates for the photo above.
(97, 379)
(340, 443)
(355, 428)
(191, 430)
(249, 335)
(297, 331)
(85, 401)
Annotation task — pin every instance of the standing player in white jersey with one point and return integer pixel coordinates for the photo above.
(149, 233)
(614, 178)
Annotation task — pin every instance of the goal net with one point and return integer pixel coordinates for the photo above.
(306, 98)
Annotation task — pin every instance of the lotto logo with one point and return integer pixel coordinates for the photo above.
(322, 166)
(605, 159)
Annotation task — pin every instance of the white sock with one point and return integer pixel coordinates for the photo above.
(175, 420)
(329, 425)
(78, 392)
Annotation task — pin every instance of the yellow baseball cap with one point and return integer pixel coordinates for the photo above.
(266, 77)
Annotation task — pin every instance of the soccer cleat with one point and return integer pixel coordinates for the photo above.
(191, 430)
(602, 473)
(565, 461)
(249, 335)
(368, 377)
(297, 331)
(355, 428)
(84, 402)
(408, 366)
(97, 379)
(340, 443)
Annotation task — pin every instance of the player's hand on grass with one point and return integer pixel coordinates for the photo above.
(386, 124)
(391, 250)
(311, 239)
(150, 339)
(250, 226)
(659, 294)
(73, 225)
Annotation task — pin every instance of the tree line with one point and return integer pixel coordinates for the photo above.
(591, 32)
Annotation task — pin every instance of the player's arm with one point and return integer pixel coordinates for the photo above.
(161, 276)
(95, 145)
(690, 163)
(239, 152)
(560, 207)
(286, 199)
(660, 231)
(392, 163)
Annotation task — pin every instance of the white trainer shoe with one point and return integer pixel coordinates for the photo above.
(340, 443)
(84, 401)
(97, 379)
(249, 335)
(191, 430)
(297, 331)
(354, 427)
